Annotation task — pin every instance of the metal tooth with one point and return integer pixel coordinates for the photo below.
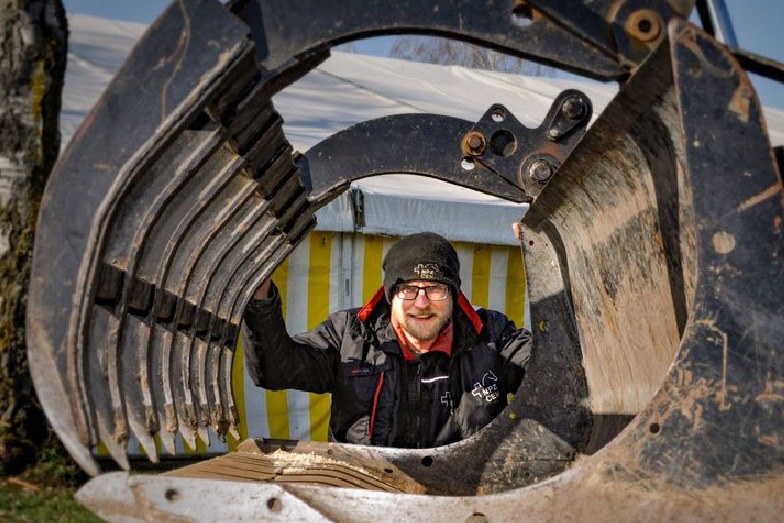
(299, 229)
(262, 150)
(235, 86)
(227, 364)
(218, 420)
(287, 195)
(198, 378)
(160, 362)
(228, 266)
(237, 228)
(275, 171)
(186, 413)
(240, 297)
(97, 370)
(252, 113)
(259, 257)
(296, 210)
(135, 382)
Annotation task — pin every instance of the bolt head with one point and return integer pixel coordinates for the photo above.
(573, 108)
(540, 170)
(475, 143)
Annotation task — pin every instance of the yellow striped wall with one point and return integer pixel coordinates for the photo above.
(333, 271)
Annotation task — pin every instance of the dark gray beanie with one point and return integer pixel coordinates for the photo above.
(422, 256)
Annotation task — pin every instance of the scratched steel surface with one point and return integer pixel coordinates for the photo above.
(653, 252)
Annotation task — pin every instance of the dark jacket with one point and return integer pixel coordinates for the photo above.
(378, 397)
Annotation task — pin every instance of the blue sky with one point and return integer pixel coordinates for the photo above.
(757, 25)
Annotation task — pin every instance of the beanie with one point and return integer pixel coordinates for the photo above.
(422, 256)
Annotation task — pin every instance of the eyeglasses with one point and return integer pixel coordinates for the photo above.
(433, 292)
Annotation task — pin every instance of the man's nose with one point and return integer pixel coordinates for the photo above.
(421, 300)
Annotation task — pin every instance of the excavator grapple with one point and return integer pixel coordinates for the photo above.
(653, 251)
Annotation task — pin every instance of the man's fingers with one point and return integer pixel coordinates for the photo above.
(518, 232)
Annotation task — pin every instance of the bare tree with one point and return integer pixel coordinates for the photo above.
(32, 67)
(443, 51)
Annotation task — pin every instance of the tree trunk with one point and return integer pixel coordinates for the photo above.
(32, 67)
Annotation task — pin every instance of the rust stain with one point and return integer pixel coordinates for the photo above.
(741, 101)
(770, 393)
(721, 395)
(770, 192)
(772, 440)
(723, 242)
(182, 46)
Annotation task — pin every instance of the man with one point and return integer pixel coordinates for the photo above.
(415, 367)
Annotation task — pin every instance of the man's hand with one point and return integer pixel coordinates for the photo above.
(516, 227)
(262, 292)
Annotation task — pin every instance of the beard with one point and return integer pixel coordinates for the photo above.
(424, 324)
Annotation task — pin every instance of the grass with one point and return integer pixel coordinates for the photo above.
(45, 491)
(21, 503)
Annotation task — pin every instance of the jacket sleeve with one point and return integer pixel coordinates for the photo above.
(514, 345)
(275, 360)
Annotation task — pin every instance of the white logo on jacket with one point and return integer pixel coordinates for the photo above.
(488, 388)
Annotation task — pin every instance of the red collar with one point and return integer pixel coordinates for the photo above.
(365, 311)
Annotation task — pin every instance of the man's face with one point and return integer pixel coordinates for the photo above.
(422, 318)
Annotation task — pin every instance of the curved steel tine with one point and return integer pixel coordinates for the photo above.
(223, 271)
(226, 385)
(135, 382)
(240, 275)
(183, 402)
(160, 363)
(304, 223)
(197, 382)
(98, 380)
(218, 418)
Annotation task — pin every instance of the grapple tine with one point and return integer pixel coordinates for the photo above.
(297, 231)
(180, 378)
(218, 418)
(200, 348)
(226, 389)
(160, 361)
(98, 381)
(135, 383)
(228, 297)
(250, 221)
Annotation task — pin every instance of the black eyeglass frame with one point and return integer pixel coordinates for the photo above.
(427, 289)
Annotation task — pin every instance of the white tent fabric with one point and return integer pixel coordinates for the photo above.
(349, 89)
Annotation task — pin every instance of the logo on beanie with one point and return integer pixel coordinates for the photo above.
(426, 271)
